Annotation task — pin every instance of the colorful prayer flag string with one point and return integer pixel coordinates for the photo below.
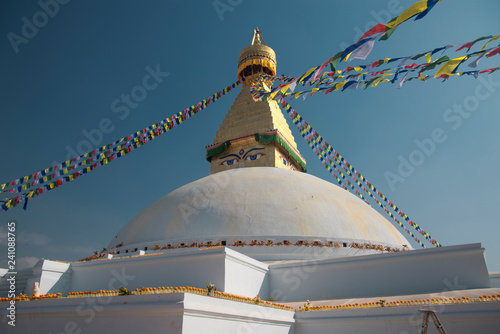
(328, 155)
(361, 75)
(362, 48)
(67, 171)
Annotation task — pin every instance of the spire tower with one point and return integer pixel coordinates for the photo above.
(254, 133)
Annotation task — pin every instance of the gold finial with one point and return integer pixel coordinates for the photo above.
(257, 37)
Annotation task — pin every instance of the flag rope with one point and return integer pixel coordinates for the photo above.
(362, 48)
(98, 157)
(341, 79)
(328, 155)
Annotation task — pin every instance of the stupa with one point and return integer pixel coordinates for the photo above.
(286, 251)
(257, 191)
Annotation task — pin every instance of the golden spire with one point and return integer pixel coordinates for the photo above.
(256, 59)
(257, 36)
(254, 134)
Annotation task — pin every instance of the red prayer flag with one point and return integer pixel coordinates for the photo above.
(494, 52)
(379, 28)
(466, 45)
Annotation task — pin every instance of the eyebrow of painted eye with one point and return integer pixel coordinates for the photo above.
(231, 155)
(253, 149)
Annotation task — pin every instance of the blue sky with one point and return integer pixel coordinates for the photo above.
(63, 80)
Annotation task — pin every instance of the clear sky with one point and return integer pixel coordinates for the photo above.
(65, 77)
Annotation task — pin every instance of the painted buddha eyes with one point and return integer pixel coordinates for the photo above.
(229, 162)
(255, 156)
(287, 163)
(234, 158)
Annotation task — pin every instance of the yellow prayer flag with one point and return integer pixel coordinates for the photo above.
(413, 10)
(340, 85)
(428, 57)
(450, 66)
(274, 94)
(306, 74)
(284, 88)
(491, 40)
(376, 82)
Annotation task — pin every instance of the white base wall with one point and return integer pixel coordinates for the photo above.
(174, 313)
(403, 273)
(230, 271)
(495, 279)
(52, 276)
(455, 318)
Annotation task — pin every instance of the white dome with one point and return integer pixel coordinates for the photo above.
(260, 203)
